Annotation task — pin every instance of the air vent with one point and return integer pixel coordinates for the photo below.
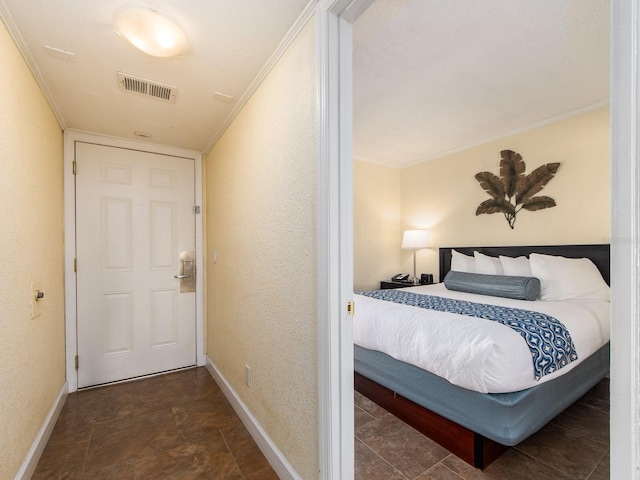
(142, 86)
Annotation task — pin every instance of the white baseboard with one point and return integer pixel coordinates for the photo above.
(33, 456)
(279, 463)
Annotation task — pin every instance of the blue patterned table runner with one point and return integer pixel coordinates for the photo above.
(547, 338)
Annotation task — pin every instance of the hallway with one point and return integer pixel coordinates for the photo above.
(173, 426)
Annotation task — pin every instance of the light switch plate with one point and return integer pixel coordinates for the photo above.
(35, 304)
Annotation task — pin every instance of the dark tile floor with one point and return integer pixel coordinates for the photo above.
(573, 446)
(180, 426)
(174, 426)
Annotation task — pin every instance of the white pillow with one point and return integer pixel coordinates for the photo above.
(487, 265)
(462, 263)
(515, 267)
(563, 278)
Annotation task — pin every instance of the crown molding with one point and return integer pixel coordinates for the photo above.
(288, 39)
(18, 39)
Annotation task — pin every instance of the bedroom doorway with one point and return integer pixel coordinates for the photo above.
(625, 238)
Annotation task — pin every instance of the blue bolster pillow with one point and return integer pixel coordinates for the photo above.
(520, 288)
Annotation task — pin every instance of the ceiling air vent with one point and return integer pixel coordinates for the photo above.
(142, 86)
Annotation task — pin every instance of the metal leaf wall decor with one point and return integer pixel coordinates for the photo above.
(513, 190)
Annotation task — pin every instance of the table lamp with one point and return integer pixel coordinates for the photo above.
(415, 239)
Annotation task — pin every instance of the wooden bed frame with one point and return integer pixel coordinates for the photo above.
(473, 448)
(469, 446)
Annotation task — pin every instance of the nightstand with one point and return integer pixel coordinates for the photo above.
(386, 284)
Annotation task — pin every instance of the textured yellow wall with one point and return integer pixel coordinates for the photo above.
(442, 195)
(377, 228)
(261, 224)
(32, 368)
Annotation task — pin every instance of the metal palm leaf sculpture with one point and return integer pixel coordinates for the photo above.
(513, 190)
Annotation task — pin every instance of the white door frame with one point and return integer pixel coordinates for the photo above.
(335, 236)
(335, 271)
(70, 138)
(625, 240)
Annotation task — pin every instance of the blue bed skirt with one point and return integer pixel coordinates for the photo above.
(507, 418)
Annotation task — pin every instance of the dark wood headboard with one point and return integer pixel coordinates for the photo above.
(598, 254)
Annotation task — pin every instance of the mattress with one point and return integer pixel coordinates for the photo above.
(476, 354)
(507, 418)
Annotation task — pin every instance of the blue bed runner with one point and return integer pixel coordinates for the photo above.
(547, 338)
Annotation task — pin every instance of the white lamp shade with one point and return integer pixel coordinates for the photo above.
(415, 239)
(150, 31)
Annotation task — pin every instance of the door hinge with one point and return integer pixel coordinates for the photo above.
(196, 209)
(351, 308)
(75, 265)
(75, 167)
(77, 362)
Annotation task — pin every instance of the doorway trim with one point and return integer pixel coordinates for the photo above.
(625, 240)
(334, 20)
(70, 139)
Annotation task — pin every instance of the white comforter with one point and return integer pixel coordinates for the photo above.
(474, 353)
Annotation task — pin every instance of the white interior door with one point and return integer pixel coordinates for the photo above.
(134, 217)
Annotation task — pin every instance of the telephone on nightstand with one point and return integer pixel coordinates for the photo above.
(401, 277)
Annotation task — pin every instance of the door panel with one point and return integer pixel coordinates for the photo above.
(133, 219)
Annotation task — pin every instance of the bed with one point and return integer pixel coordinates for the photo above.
(479, 426)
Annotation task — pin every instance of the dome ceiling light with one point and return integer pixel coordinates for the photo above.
(150, 31)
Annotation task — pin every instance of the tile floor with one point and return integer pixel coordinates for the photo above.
(174, 426)
(180, 426)
(573, 446)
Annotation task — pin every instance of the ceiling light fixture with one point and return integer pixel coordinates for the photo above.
(150, 31)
